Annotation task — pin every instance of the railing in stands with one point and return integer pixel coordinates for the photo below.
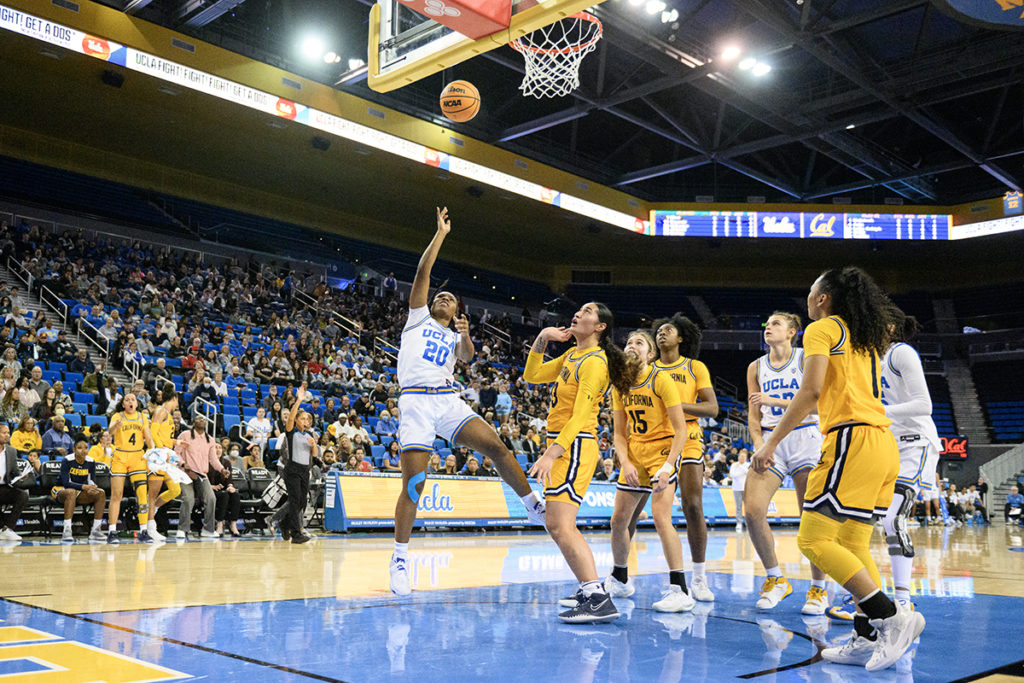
(91, 333)
(737, 430)
(133, 368)
(54, 303)
(21, 272)
(724, 387)
(348, 326)
(382, 345)
(500, 335)
(210, 411)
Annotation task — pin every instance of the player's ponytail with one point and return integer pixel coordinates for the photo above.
(863, 306)
(618, 368)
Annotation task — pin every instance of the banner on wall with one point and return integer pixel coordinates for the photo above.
(367, 500)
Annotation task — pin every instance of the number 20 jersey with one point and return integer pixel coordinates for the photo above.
(426, 355)
(783, 383)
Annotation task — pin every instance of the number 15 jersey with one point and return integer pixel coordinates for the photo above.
(426, 354)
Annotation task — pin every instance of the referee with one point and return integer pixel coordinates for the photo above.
(302, 448)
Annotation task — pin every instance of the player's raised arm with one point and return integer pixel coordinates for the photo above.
(421, 283)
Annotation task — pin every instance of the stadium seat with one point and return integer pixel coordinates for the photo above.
(100, 420)
(83, 397)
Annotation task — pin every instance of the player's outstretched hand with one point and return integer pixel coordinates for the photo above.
(555, 334)
(462, 324)
(444, 226)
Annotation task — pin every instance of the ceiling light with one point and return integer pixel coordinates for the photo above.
(636, 3)
(760, 69)
(312, 48)
(669, 16)
(730, 53)
(355, 63)
(747, 64)
(331, 58)
(655, 6)
(851, 126)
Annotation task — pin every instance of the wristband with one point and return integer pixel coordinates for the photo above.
(667, 468)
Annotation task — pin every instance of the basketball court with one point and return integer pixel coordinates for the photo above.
(484, 608)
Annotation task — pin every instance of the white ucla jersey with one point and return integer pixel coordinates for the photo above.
(904, 389)
(782, 382)
(426, 354)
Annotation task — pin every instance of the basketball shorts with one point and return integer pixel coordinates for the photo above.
(57, 489)
(648, 457)
(856, 475)
(127, 462)
(693, 451)
(919, 458)
(425, 415)
(798, 452)
(931, 493)
(572, 471)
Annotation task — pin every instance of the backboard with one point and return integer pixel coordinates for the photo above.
(405, 46)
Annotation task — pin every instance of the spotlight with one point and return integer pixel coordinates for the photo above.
(730, 53)
(655, 6)
(636, 3)
(747, 64)
(760, 69)
(851, 126)
(331, 58)
(669, 16)
(355, 63)
(312, 48)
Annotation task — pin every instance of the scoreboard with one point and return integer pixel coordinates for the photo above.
(803, 225)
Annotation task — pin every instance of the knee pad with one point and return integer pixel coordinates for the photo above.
(895, 522)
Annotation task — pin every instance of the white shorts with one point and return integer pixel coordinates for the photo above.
(798, 452)
(425, 415)
(919, 458)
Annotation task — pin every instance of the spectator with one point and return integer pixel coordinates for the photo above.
(62, 350)
(43, 411)
(329, 458)
(229, 500)
(235, 380)
(61, 398)
(738, 475)
(103, 450)
(392, 458)
(434, 465)
(362, 465)
(1012, 511)
(10, 360)
(234, 456)
(38, 384)
(488, 396)
(271, 397)
(10, 494)
(607, 471)
(198, 454)
(102, 387)
(487, 468)
(258, 429)
(29, 397)
(351, 463)
(339, 427)
(204, 391)
(386, 425)
(983, 491)
(77, 486)
(26, 437)
(8, 379)
(132, 355)
(254, 457)
(157, 375)
(81, 363)
(357, 432)
(57, 439)
(449, 466)
(505, 435)
(330, 411)
(472, 468)
(219, 385)
(363, 406)
(503, 404)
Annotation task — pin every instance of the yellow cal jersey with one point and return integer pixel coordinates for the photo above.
(646, 405)
(162, 432)
(852, 391)
(129, 436)
(581, 380)
(690, 377)
(98, 453)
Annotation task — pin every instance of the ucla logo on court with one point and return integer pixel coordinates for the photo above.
(435, 501)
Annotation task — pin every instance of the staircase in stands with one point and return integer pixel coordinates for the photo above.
(970, 420)
(30, 302)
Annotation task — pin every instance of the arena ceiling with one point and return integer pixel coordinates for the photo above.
(867, 99)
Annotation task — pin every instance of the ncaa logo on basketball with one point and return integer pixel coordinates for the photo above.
(436, 8)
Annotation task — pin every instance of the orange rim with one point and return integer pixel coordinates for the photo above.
(519, 46)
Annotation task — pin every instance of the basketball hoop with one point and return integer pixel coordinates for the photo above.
(554, 53)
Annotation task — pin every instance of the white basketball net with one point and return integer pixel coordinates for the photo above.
(554, 53)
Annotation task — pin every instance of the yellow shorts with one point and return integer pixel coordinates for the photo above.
(856, 475)
(693, 451)
(57, 489)
(648, 457)
(572, 471)
(127, 462)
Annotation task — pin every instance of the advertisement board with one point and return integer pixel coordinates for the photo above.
(357, 500)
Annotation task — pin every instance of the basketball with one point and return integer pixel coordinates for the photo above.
(460, 101)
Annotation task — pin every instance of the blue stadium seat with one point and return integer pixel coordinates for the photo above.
(57, 367)
(75, 377)
(230, 421)
(74, 419)
(91, 420)
(83, 397)
(378, 455)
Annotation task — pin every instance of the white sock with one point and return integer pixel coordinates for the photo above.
(67, 525)
(591, 587)
(96, 524)
(774, 571)
(401, 550)
(819, 584)
(698, 570)
(903, 594)
(530, 499)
